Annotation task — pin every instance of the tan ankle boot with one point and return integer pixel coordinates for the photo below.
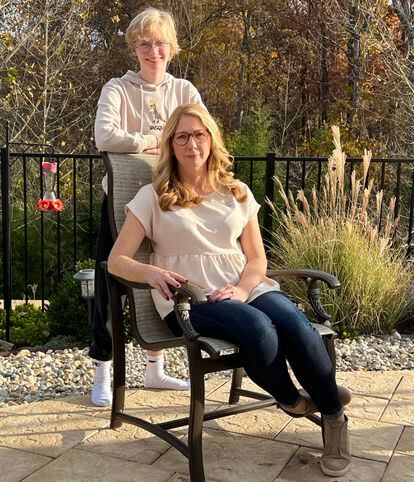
(345, 397)
(336, 457)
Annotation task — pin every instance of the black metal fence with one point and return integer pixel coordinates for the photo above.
(38, 247)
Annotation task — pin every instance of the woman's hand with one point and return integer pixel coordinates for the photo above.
(121, 262)
(162, 280)
(229, 292)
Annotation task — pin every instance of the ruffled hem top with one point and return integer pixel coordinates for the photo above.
(201, 242)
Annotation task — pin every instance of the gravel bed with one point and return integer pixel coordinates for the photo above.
(30, 376)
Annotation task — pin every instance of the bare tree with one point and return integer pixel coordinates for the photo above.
(48, 72)
(404, 10)
(395, 38)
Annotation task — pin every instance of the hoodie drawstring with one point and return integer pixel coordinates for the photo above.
(142, 108)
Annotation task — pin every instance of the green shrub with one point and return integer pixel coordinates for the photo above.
(60, 341)
(83, 238)
(68, 311)
(29, 325)
(339, 233)
(255, 138)
(320, 143)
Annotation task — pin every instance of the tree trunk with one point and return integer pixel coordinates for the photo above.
(404, 12)
(324, 86)
(244, 63)
(354, 61)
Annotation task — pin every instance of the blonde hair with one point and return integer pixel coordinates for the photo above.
(151, 23)
(167, 184)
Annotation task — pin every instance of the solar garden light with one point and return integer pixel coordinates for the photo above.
(86, 277)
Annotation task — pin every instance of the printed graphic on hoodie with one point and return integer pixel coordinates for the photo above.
(156, 116)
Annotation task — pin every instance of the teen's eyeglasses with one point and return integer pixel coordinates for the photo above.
(182, 138)
(146, 47)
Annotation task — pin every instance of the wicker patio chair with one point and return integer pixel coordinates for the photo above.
(127, 174)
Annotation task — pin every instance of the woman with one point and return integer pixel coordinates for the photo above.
(204, 229)
(131, 114)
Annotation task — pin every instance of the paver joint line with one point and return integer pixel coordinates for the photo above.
(384, 453)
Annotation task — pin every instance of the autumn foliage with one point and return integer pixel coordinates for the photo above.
(308, 63)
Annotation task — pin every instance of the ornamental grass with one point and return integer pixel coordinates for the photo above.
(351, 233)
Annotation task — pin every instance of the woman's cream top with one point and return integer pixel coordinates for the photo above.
(201, 243)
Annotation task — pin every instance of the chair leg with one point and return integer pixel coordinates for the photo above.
(118, 352)
(118, 385)
(330, 348)
(236, 382)
(195, 427)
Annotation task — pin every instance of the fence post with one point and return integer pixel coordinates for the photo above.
(269, 192)
(411, 219)
(5, 215)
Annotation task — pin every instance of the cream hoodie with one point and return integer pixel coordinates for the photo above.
(131, 110)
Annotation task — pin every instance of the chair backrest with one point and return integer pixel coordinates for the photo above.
(127, 173)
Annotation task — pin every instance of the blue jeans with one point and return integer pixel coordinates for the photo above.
(269, 331)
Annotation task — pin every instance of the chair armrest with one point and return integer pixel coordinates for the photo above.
(312, 278)
(181, 299)
(313, 274)
(182, 307)
(190, 291)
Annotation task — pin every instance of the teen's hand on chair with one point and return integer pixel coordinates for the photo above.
(228, 292)
(162, 280)
(155, 151)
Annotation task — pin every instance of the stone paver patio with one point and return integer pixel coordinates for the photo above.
(69, 440)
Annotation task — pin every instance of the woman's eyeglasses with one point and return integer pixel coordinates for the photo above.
(146, 47)
(181, 138)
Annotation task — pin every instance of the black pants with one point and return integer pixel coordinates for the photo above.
(101, 347)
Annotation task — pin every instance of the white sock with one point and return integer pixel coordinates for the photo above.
(101, 390)
(156, 378)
